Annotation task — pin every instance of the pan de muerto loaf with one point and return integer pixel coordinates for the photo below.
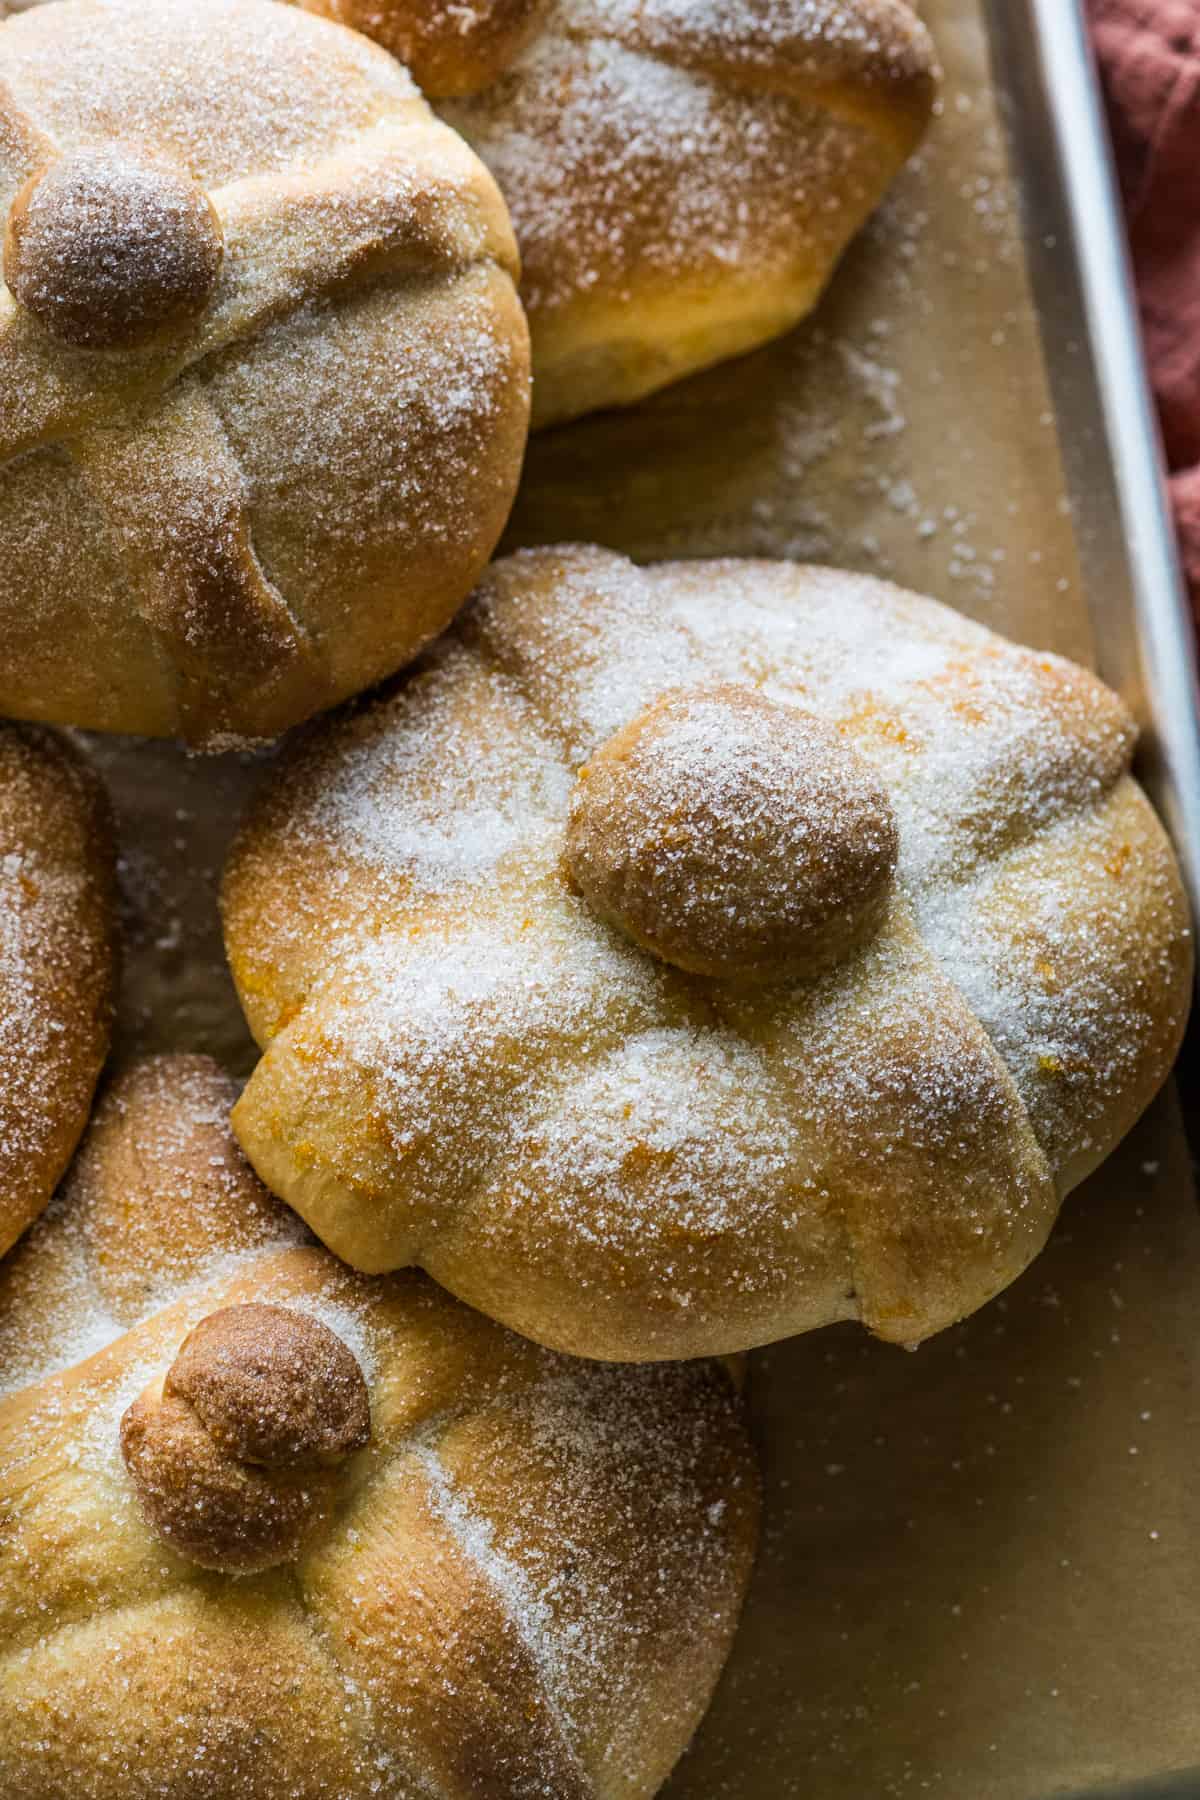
(273, 1529)
(57, 962)
(266, 375)
(683, 175)
(693, 955)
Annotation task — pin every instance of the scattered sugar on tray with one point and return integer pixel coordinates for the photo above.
(882, 386)
(464, 15)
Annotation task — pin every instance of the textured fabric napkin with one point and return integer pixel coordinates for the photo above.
(1149, 52)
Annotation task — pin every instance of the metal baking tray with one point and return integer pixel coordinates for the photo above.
(1050, 96)
(687, 475)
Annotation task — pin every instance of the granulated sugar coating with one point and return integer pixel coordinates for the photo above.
(682, 179)
(159, 1201)
(57, 957)
(304, 435)
(631, 116)
(465, 1067)
(525, 1585)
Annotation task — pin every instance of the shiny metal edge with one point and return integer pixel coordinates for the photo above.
(1145, 641)
(1046, 79)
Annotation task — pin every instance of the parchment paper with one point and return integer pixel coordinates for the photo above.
(981, 1571)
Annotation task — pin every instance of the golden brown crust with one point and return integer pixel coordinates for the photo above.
(58, 948)
(452, 49)
(733, 837)
(466, 1068)
(684, 178)
(465, 1680)
(158, 1194)
(286, 477)
(525, 1584)
(683, 174)
(869, 61)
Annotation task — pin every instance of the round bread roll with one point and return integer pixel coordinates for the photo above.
(683, 175)
(57, 962)
(266, 374)
(274, 1529)
(694, 955)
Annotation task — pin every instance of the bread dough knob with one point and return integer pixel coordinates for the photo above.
(109, 246)
(234, 1455)
(733, 836)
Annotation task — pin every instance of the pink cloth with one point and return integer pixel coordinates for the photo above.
(1149, 53)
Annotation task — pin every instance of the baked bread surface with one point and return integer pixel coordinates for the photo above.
(265, 370)
(486, 1052)
(57, 962)
(521, 1586)
(683, 175)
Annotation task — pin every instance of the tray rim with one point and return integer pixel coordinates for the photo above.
(1046, 77)
(1049, 89)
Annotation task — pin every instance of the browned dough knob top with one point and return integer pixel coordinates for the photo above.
(108, 246)
(233, 1454)
(733, 835)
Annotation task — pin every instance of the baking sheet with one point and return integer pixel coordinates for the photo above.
(1116, 471)
(979, 1577)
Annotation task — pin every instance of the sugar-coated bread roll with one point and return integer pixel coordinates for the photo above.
(277, 1531)
(692, 955)
(265, 372)
(683, 175)
(57, 962)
